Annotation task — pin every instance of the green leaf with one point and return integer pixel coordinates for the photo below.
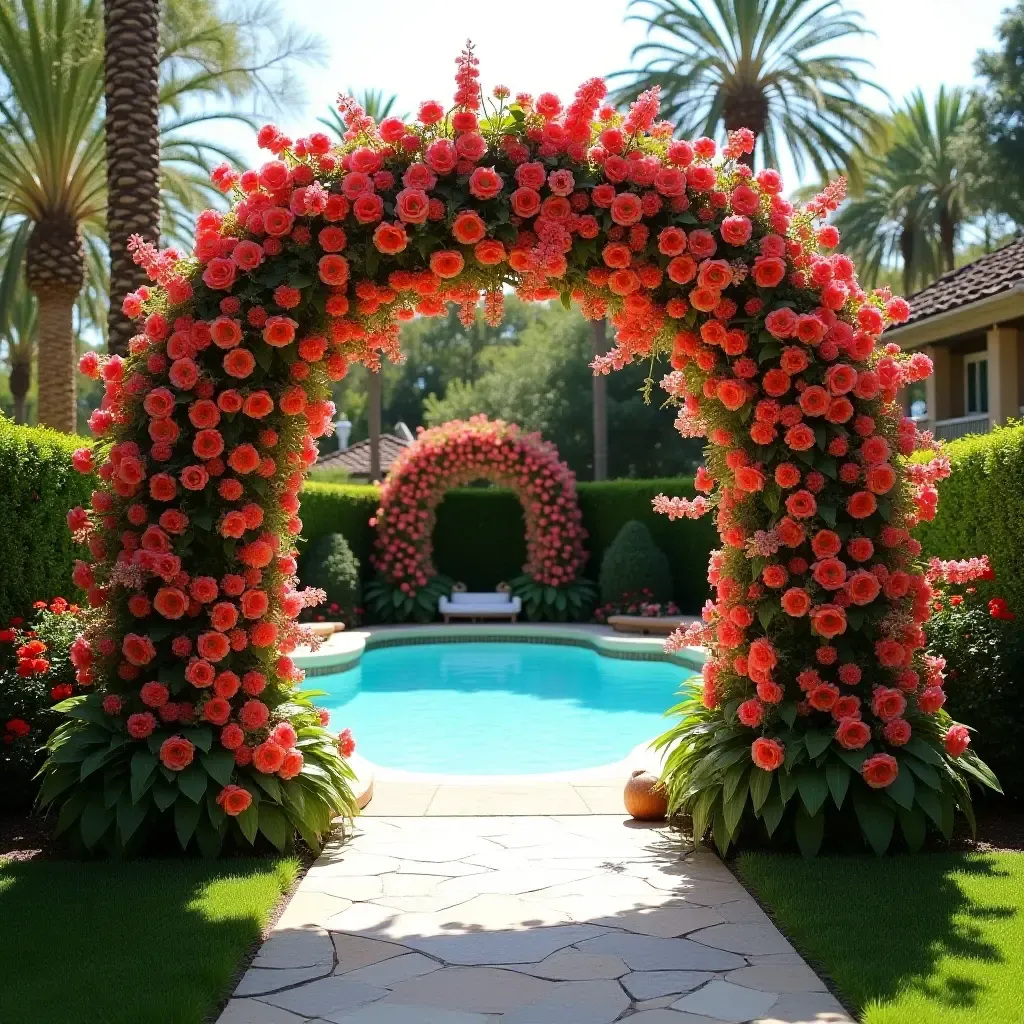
(828, 513)
(92, 762)
(928, 800)
(810, 830)
(813, 789)
(164, 794)
(269, 784)
(854, 758)
(209, 839)
(924, 750)
(760, 787)
(787, 784)
(248, 821)
(817, 741)
(142, 764)
(274, 825)
(200, 736)
(186, 817)
(767, 610)
(787, 712)
(192, 782)
(925, 772)
(914, 826)
(837, 774)
(220, 764)
(772, 811)
(901, 789)
(735, 775)
(95, 821)
(129, 817)
(876, 820)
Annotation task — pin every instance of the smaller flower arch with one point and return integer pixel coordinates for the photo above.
(458, 453)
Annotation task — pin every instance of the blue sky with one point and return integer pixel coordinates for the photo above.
(408, 47)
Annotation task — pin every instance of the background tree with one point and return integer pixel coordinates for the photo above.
(18, 321)
(53, 186)
(758, 64)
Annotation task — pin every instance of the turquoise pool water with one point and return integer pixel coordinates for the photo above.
(498, 708)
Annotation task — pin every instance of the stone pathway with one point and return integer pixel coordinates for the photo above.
(524, 920)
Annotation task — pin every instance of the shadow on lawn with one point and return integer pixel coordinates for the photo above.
(879, 926)
(155, 941)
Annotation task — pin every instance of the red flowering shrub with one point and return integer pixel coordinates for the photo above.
(636, 603)
(776, 358)
(458, 453)
(37, 673)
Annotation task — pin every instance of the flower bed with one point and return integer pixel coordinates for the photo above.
(461, 452)
(208, 424)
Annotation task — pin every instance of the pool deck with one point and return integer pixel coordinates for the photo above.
(398, 793)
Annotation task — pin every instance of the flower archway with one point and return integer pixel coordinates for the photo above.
(457, 453)
(817, 687)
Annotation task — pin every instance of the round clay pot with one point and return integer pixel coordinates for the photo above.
(645, 797)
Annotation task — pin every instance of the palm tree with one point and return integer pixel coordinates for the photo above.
(52, 166)
(757, 64)
(373, 101)
(131, 88)
(916, 197)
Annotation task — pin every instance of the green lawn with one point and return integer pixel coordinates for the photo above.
(936, 938)
(144, 942)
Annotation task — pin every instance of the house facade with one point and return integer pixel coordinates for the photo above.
(970, 321)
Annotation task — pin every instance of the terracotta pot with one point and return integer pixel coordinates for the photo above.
(645, 797)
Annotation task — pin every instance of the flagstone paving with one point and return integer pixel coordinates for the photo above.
(525, 920)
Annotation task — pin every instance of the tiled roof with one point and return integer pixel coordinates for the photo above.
(356, 459)
(987, 276)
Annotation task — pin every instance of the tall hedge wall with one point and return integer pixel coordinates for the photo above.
(981, 508)
(479, 533)
(37, 487)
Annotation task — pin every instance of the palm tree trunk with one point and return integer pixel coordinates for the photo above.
(54, 272)
(747, 109)
(374, 415)
(19, 382)
(600, 386)
(907, 255)
(57, 369)
(947, 238)
(131, 90)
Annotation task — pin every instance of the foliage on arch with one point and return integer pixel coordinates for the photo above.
(460, 452)
(819, 705)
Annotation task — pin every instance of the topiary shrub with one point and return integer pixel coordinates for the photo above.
(329, 565)
(635, 564)
(37, 487)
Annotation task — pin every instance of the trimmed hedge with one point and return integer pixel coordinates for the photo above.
(37, 487)
(479, 534)
(980, 509)
(635, 564)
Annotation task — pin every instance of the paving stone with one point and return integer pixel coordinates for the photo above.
(397, 884)
(508, 947)
(743, 938)
(302, 947)
(444, 849)
(697, 890)
(806, 1008)
(655, 1004)
(665, 1016)
(666, 922)
(778, 978)
(252, 1011)
(354, 889)
(423, 904)
(480, 990)
(654, 984)
(521, 879)
(573, 1002)
(776, 958)
(648, 953)
(744, 911)
(381, 1013)
(326, 996)
(257, 980)
(396, 969)
(727, 1002)
(307, 908)
(446, 869)
(572, 966)
(354, 952)
(347, 861)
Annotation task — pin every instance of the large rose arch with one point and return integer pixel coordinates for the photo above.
(461, 452)
(818, 699)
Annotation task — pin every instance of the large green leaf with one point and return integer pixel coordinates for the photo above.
(813, 789)
(837, 774)
(192, 782)
(809, 829)
(817, 741)
(273, 824)
(186, 817)
(220, 764)
(876, 821)
(95, 820)
(914, 826)
(248, 822)
(901, 789)
(760, 787)
(772, 811)
(732, 809)
(129, 817)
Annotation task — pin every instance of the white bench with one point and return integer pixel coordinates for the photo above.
(480, 606)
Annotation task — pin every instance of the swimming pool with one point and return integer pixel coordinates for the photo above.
(498, 708)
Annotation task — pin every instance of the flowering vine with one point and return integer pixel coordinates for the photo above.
(208, 425)
(460, 452)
